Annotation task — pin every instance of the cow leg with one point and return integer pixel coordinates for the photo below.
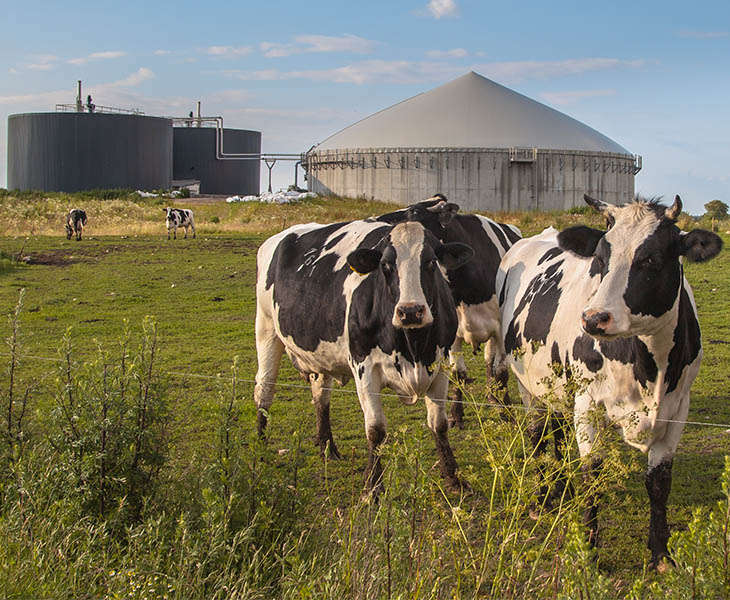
(659, 484)
(458, 371)
(436, 398)
(269, 349)
(192, 226)
(321, 392)
(168, 233)
(559, 426)
(591, 470)
(537, 432)
(586, 434)
(369, 387)
(186, 232)
(495, 358)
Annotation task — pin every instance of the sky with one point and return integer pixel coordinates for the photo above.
(652, 76)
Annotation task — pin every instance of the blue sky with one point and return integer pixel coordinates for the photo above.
(653, 76)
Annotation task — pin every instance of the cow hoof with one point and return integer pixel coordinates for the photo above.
(458, 486)
(661, 563)
(328, 450)
(456, 422)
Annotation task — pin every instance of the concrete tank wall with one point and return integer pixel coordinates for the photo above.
(194, 157)
(476, 179)
(70, 152)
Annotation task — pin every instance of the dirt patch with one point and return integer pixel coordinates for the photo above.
(53, 258)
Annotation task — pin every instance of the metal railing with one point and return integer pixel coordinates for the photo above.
(98, 109)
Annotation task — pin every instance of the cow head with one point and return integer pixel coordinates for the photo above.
(433, 213)
(639, 260)
(407, 260)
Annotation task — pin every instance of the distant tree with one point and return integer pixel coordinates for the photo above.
(716, 209)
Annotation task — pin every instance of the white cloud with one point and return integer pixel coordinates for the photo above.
(442, 8)
(514, 72)
(417, 72)
(96, 56)
(453, 53)
(162, 52)
(703, 35)
(562, 98)
(229, 51)
(41, 62)
(142, 74)
(319, 43)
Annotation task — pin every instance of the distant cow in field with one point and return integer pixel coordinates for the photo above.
(472, 284)
(614, 306)
(75, 223)
(179, 217)
(365, 300)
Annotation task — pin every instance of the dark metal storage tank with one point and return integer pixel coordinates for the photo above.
(194, 152)
(70, 152)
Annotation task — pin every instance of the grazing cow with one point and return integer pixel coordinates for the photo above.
(179, 217)
(75, 223)
(472, 284)
(361, 299)
(615, 307)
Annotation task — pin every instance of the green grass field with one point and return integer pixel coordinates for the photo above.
(201, 295)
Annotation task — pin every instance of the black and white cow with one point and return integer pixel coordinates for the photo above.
(75, 223)
(179, 217)
(361, 299)
(472, 284)
(615, 307)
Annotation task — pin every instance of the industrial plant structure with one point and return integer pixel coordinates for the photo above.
(481, 144)
(86, 146)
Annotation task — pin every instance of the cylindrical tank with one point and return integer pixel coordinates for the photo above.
(194, 152)
(70, 152)
(487, 179)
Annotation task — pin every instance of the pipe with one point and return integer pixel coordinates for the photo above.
(79, 104)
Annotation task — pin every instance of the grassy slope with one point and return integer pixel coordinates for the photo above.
(201, 292)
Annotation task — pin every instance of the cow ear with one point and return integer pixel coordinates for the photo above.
(580, 240)
(700, 245)
(364, 260)
(454, 255)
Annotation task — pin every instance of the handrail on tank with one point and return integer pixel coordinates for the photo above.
(100, 109)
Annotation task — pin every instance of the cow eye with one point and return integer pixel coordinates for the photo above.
(651, 262)
(431, 266)
(387, 268)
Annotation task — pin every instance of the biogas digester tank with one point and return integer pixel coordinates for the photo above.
(71, 152)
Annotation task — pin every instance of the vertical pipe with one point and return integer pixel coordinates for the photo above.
(198, 125)
(79, 105)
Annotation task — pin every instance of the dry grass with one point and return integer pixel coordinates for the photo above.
(43, 214)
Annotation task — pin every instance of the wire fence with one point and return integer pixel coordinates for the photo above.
(342, 390)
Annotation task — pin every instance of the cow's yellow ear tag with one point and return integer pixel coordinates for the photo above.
(356, 271)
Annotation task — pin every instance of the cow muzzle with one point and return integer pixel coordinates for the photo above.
(411, 315)
(595, 322)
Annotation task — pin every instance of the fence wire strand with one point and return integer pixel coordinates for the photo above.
(341, 390)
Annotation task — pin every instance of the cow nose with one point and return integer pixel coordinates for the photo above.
(596, 322)
(410, 314)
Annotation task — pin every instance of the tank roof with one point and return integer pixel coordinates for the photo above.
(470, 112)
